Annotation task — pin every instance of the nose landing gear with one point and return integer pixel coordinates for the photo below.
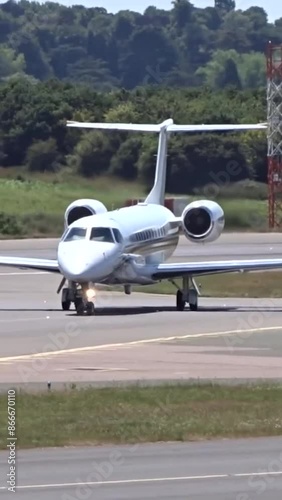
(83, 306)
(82, 301)
(79, 295)
(66, 299)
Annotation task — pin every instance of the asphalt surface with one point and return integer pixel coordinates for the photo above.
(127, 340)
(141, 337)
(221, 470)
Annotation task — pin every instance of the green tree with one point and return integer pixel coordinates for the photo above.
(124, 162)
(222, 70)
(182, 13)
(229, 76)
(123, 113)
(150, 55)
(33, 118)
(35, 60)
(10, 63)
(43, 156)
(92, 155)
(234, 32)
(251, 68)
(107, 51)
(225, 5)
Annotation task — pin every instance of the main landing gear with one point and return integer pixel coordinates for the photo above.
(187, 294)
(81, 297)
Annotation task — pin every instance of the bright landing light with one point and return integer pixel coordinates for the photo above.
(90, 294)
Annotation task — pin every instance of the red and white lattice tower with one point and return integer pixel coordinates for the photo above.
(274, 134)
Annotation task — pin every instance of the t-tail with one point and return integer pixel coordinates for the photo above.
(164, 129)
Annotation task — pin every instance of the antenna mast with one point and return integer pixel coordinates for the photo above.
(274, 134)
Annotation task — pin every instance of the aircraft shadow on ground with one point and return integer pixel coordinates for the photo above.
(132, 311)
(128, 311)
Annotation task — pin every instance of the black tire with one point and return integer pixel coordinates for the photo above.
(193, 307)
(180, 303)
(79, 306)
(66, 305)
(90, 309)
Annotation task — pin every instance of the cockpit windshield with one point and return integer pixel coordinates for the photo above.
(101, 234)
(76, 233)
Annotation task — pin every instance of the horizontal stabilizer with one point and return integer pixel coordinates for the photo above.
(115, 126)
(215, 128)
(168, 125)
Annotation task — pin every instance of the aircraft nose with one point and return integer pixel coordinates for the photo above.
(84, 263)
(74, 268)
(74, 261)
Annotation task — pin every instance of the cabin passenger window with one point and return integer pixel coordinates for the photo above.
(75, 233)
(102, 234)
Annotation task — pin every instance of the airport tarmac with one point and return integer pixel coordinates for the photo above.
(136, 337)
(243, 469)
(141, 338)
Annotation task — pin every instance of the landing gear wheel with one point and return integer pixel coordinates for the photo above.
(66, 305)
(66, 302)
(194, 307)
(79, 306)
(193, 299)
(180, 302)
(90, 309)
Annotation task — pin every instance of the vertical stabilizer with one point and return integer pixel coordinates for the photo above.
(157, 194)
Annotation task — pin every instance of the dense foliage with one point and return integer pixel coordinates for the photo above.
(185, 46)
(33, 132)
(195, 65)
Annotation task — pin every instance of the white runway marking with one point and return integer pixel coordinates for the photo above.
(145, 480)
(135, 343)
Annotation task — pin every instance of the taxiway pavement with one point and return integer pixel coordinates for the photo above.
(136, 337)
(245, 469)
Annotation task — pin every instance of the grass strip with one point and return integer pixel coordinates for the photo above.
(144, 414)
(34, 206)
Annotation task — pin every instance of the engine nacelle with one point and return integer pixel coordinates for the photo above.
(83, 208)
(202, 221)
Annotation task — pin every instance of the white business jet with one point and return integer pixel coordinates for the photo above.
(129, 246)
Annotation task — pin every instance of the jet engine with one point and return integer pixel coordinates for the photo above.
(202, 221)
(83, 208)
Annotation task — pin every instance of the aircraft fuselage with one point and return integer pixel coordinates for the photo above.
(93, 249)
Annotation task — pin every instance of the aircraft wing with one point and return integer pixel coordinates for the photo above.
(177, 270)
(28, 263)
